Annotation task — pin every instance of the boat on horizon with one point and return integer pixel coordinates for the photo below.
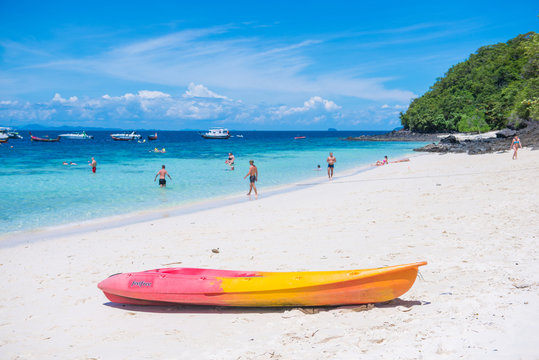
(76, 136)
(216, 133)
(43, 139)
(152, 137)
(126, 136)
(212, 287)
(11, 133)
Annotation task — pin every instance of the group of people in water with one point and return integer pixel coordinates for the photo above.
(253, 170)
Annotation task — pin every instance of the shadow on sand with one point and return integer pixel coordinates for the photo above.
(309, 310)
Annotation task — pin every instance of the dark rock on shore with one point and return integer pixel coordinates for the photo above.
(528, 131)
(397, 135)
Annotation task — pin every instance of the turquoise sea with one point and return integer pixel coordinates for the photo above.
(37, 190)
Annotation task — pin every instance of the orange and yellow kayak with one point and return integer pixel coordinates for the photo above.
(260, 289)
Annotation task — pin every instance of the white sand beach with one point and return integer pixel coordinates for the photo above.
(473, 218)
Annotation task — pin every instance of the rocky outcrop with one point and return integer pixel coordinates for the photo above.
(528, 134)
(397, 135)
(528, 131)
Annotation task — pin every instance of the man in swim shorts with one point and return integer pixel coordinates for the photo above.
(162, 173)
(253, 177)
(93, 164)
(331, 164)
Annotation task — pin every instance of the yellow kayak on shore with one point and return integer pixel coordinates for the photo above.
(260, 289)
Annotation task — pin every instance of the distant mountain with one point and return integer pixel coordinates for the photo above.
(497, 85)
(64, 128)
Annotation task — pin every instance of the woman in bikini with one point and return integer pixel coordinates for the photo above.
(515, 145)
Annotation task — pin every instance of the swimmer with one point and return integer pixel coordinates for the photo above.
(162, 173)
(331, 160)
(230, 160)
(93, 164)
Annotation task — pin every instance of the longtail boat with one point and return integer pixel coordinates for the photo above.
(45, 139)
(260, 289)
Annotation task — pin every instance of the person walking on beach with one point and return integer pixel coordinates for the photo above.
(162, 173)
(253, 177)
(515, 145)
(93, 164)
(331, 164)
(230, 161)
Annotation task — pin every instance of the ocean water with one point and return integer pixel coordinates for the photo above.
(37, 190)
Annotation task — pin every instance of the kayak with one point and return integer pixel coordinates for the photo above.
(260, 289)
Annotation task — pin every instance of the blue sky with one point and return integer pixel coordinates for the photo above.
(351, 65)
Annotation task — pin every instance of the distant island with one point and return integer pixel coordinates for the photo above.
(498, 85)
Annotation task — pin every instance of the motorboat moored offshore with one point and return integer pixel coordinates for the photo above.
(126, 136)
(76, 136)
(216, 133)
(11, 133)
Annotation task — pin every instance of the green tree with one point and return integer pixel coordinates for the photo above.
(496, 83)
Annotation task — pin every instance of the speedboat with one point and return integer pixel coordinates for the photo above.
(126, 136)
(3, 138)
(77, 136)
(44, 139)
(216, 133)
(11, 134)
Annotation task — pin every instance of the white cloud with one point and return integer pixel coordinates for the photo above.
(314, 104)
(249, 67)
(145, 94)
(58, 98)
(396, 107)
(201, 91)
(8, 102)
(158, 109)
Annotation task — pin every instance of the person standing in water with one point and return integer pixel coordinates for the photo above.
(162, 173)
(515, 145)
(331, 160)
(93, 164)
(253, 177)
(230, 161)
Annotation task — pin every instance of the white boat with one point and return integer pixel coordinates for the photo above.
(11, 134)
(76, 136)
(126, 136)
(3, 138)
(216, 133)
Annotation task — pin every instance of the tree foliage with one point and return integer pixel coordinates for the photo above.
(497, 84)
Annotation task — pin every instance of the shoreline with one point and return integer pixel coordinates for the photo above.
(109, 222)
(468, 216)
